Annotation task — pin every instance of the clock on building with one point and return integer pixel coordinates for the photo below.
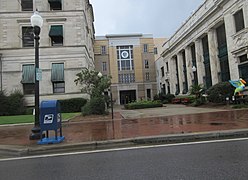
(124, 54)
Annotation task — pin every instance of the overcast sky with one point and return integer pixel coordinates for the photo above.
(158, 17)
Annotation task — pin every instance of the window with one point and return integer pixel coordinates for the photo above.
(162, 71)
(167, 66)
(27, 5)
(28, 78)
(145, 48)
(103, 50)
(58, 87)
(125, 58)
(243, 58)
(28, 89)
(148, 92)
(56, 35)
(126, 78)
(104, 66)
(55, 5)
(57, 78)
(239, 20)
(27, 37)
(146, 64)
(155, 50)
(147, 76)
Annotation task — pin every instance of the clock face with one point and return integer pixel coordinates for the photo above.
(124, 54)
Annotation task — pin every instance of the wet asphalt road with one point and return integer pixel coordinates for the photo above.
(207, 161)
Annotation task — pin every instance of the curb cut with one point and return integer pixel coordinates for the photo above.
(18, 151)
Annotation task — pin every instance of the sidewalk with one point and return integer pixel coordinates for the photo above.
(131, 127)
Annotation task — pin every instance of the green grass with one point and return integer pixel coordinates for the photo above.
(28, 118)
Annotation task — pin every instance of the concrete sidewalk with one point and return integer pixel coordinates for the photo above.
(173, 123)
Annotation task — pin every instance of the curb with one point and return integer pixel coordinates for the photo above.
(18, 151)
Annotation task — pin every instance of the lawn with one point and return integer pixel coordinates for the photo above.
(28, 118)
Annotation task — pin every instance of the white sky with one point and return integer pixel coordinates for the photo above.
(158, 17)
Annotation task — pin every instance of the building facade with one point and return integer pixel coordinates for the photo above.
(130, 60)
(66, 46)
(210, 47)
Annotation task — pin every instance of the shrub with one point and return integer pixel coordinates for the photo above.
(143, 104)
(165, 98)
(219, 92)
(72, 105)
(239, 106)
(12, 104)
(95, 105)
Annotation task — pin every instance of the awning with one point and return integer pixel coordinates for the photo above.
(28, 74)
(57, 72)
(56, 30)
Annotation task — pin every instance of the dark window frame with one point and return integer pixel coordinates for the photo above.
(146, 62)
(55, 5)
(239, 20)
(162, 71)
(145, 48)
(103, 50)
(28, 88)
(57, 88)
(27, 5)
(57, 40)
(27, 36)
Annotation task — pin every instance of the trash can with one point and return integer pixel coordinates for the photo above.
(50, 119)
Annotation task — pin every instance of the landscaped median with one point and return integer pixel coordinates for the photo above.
(29, 118)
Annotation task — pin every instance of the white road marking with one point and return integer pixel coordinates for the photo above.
(123, 149)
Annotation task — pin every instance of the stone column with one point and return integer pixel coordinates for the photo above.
(180, 71)
(213, 55)
(231, 46)
(172, 74)
(199, 61)
(188, 56)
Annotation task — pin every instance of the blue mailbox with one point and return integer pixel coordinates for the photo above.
(50, 119)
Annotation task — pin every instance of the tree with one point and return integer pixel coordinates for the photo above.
(93, 83)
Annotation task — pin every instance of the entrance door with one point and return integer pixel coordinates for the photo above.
(127, 96)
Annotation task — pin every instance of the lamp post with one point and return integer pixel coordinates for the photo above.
(36, 22)
(99, 74)
(194, 74)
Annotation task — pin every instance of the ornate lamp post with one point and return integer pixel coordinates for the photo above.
(36, 22)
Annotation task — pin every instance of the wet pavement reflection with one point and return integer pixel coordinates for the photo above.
(119, 128)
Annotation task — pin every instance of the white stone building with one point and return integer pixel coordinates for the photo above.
(66, 46)
(210, 47)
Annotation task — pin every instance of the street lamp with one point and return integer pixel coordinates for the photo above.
(99, 74)
(194, 74)
(194, 69)
(36, 22)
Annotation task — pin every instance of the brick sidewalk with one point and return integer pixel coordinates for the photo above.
(104, 128)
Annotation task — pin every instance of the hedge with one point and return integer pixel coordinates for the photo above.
(143, 104)
(12, 104)
(96, 105)
(72, 105)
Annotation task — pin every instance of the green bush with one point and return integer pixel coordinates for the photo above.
(143, 104)
(12, 104)
(95, 105)
(219, 92)
(72, 105)
(165, 98)
(3, 104)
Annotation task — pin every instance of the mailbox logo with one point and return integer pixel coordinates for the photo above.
(48, 119)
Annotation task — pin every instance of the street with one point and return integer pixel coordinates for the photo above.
(220, 160)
